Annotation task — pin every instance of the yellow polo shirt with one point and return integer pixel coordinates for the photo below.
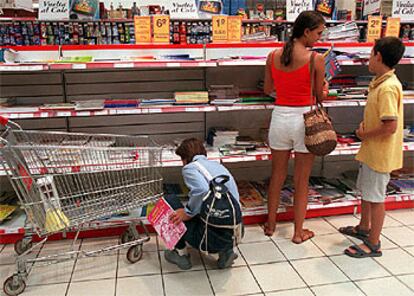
(385, 102)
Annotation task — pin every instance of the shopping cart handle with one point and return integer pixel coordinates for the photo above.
(3, 120)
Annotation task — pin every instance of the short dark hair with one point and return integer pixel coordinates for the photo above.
(391, 50)
(190, 148)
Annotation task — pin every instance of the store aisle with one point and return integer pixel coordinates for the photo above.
(267, 266)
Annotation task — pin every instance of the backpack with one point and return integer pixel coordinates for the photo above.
(220, 213)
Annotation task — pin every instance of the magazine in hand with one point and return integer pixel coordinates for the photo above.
(167, 230)
(332, 67)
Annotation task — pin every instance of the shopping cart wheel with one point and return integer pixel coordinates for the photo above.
(127, 237)
(134, 253)
(14, 285)
(22, 245)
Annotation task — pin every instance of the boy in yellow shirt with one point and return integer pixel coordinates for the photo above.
(381, 133)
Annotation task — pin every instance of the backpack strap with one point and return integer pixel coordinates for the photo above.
(203, 171)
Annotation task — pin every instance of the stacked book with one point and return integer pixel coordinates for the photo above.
(223, 94)
(219, 137)
(347, 32)
(191, 97)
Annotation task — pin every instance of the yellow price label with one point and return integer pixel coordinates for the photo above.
(393, 27)
(161, 25)
(142, 26)
(234, 28)
(220, 29)
(374, 28)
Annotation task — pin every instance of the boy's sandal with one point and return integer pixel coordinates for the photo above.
(306, 235)
(354, 231)
(360, 253)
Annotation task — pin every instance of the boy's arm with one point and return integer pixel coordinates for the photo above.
(387, 128)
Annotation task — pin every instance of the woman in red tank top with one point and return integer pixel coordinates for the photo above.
(288, 74)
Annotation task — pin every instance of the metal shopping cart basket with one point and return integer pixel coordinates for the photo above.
(67, 181)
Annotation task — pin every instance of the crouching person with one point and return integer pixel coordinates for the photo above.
(212, 215)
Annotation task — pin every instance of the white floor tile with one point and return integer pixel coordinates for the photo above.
(402, 236)
(342, 289)
(294, 292)
(359, 269)
(92, 244)
(343, 221)
(283, 230)
(319, 226)
(332, 244)
(94, 288)
(408, 280)
(410, 250)
(405, 216)
(188, 283)
(298, 251)
(58, 247)
(140, 285)
(195, 260)
(397, 261)
(233, 281)
(286, 278)
(149, 264)
(55, 290)
(257, 253)
(254, 233)
(95, 268)
(8, 255)
(319, 271)
(210, 260)
(50, 274)
(384, 286)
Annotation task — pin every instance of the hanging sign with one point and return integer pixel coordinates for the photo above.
(404, 9)
(53, 9)
(234, 28)
(393, 27)
(161, 28)
(220, 32)
(374, 28)
(177, 9)
(295, 7)
(142, 29)
(371, 6)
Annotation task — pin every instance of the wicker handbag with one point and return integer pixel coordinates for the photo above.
(320, 136)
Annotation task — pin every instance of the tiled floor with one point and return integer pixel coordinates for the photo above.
(266, 266)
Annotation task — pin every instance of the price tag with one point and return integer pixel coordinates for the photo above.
(219, 29)
(374, 28)
(234, 28)
(142, 29)
(393, 27)
(161, 24)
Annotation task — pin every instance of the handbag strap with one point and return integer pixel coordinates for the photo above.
(312, 80)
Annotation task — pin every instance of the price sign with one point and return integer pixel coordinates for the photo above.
(220, 29)
(142, 29)
(374, 28)
(393, 27)
(234, 30)
(161, 24)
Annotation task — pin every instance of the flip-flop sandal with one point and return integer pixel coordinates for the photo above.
(360, 253)
(354, 231)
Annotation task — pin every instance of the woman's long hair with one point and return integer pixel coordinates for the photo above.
(306, 20)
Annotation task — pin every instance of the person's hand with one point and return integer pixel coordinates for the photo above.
(178, 216)
(360, 132)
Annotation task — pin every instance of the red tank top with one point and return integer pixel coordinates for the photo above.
(293, 88)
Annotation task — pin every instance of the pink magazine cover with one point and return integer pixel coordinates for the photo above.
(159, 219)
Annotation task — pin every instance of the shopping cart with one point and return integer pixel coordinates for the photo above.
(72, 182)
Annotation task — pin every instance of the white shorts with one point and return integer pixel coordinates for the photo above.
(372, 184)
(287, 129)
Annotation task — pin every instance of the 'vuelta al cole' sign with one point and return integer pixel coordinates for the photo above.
(53, 9)
(404, 9)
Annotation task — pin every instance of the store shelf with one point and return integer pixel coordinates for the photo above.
(13, 230)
